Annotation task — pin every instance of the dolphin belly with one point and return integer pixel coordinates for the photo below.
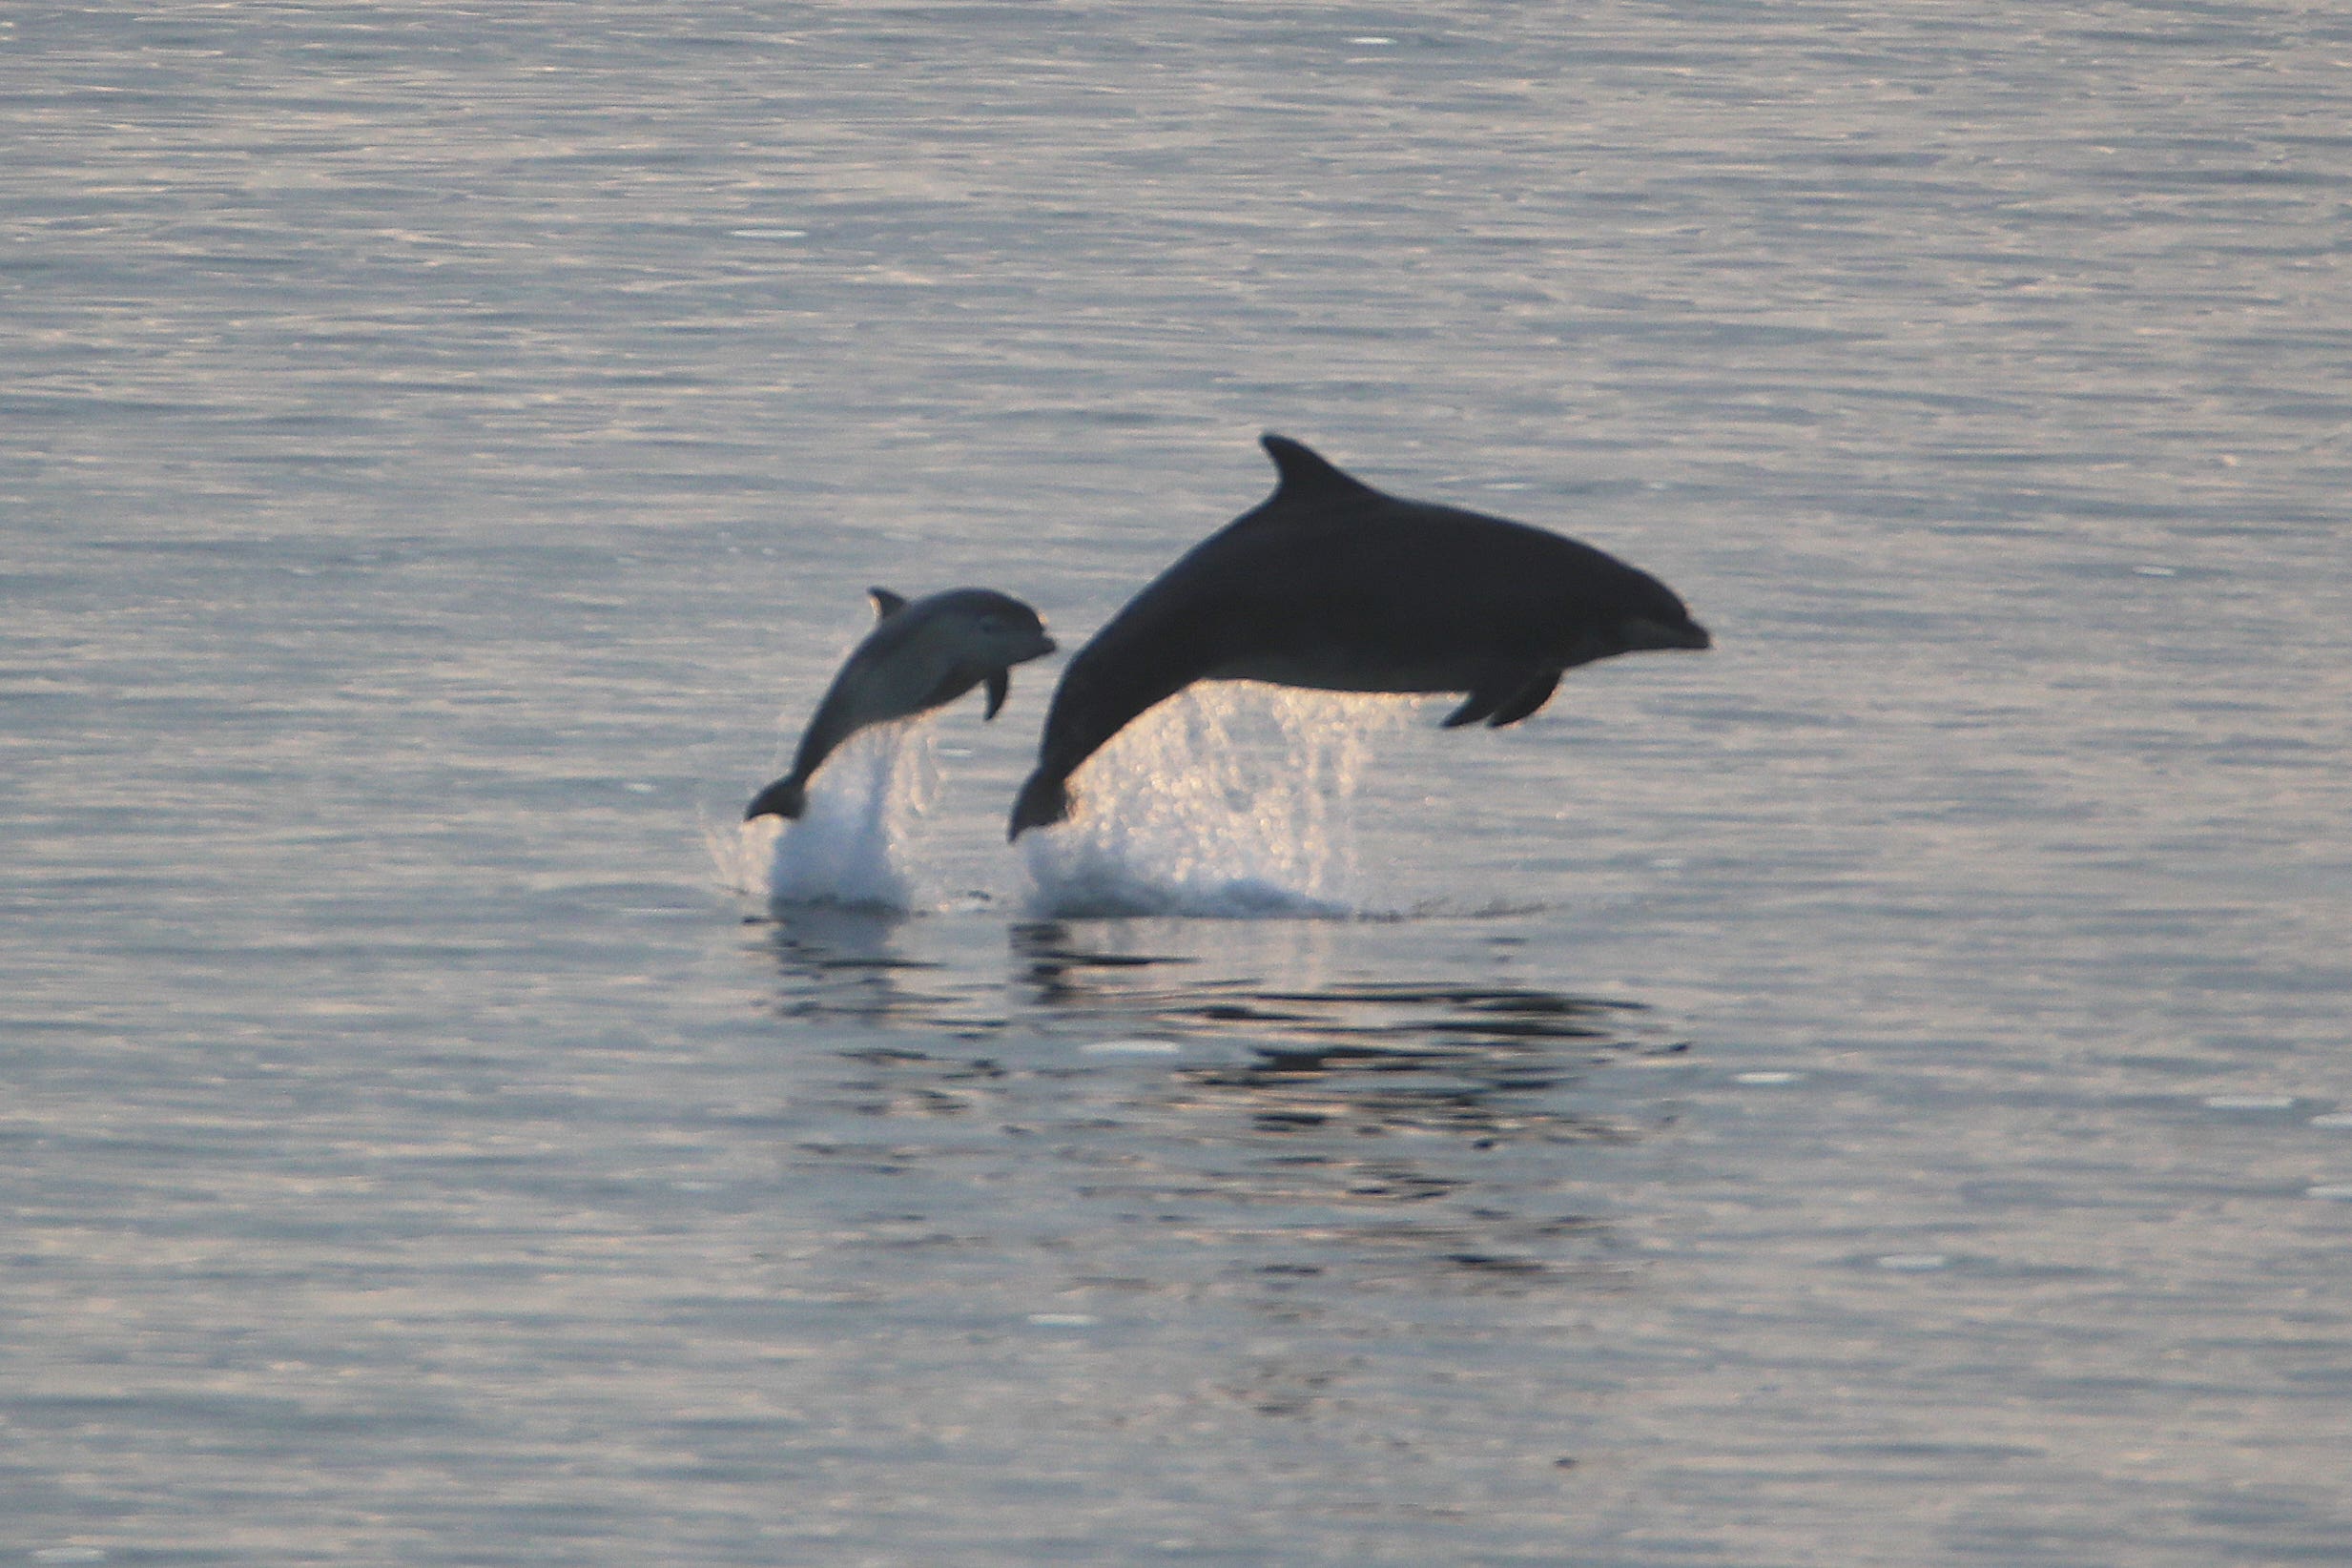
(1339, 668)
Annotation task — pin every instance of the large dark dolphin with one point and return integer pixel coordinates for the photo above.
(917, 657)
(1332, 585)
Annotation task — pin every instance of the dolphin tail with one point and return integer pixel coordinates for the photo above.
(1044, 800)
(788, 796)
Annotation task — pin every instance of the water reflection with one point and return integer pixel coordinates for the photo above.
(1258, 984)
(843, 963)
(1226, 1090)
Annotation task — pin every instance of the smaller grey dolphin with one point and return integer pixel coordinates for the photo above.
(919, 656)
(1334, 586)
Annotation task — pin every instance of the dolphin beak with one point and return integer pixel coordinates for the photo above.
(1642, 633)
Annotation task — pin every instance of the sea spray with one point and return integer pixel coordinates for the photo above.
(740, 851)
(1232, 799)
(849, 846)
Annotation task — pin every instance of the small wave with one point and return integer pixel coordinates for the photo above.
(1483, 909)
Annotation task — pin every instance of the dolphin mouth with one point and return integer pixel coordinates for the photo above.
(1643, 633)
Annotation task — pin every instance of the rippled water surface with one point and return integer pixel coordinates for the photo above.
(1879, 1092)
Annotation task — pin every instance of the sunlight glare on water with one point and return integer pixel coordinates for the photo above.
(1876, 1094)
(1228, 800)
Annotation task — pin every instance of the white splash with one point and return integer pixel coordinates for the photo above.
(849, 847)
(739, 852)
(1232, 799)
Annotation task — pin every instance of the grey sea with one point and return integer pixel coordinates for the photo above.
(1875, 1093)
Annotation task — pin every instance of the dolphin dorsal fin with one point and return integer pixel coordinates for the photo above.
(1306, 473)
(886, 603)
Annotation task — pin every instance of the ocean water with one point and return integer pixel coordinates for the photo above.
(1878, 1092)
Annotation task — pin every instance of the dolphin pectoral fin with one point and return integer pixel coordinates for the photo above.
(1484, 698)
(1504, 696)
(886, 603)
(1525, 700)
(999, 687)
(788, 798)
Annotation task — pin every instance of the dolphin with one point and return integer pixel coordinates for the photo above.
(1332, 585)
(919, 656)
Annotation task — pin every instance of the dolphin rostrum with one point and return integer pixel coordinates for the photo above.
(917, 657)
(1332, 585)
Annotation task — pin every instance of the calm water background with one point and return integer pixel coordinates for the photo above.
(1874, 1094)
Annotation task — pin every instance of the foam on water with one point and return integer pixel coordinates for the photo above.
(849, 847)
(1232, 800)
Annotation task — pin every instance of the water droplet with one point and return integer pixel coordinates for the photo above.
(2250, 1102)
(2329, 1189)
(1063, 1320)
(1766, 1078)
(1913, 1263)
(2333, 1119)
